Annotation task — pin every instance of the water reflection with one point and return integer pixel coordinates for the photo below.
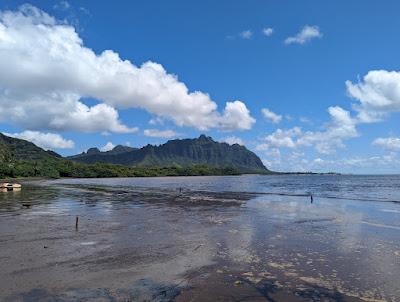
(139, 239)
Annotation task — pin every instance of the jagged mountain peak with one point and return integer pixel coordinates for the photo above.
(180, 152)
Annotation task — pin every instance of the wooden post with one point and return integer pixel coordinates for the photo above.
(76, 222)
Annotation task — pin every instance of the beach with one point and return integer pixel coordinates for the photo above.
(234, 238)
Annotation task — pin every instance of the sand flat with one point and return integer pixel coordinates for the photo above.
(148, 243)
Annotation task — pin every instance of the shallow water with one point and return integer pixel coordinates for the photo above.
(239, 238)
(358, 187)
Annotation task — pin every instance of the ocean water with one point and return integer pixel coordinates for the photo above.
(349, 187)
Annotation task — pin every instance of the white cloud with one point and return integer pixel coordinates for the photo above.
(85, 11)
(281, 139)
(268, 31)
(44, 140)
(358, 165)
(45, 71)
(373, 161)
(62, 5)
(274, 153)
(246, 34)
(306, 34)
(159, 133)
(378, 94)
(231, 140)
(340, 128)
(305, 120)
(271, 116)
(379, 164)
(107, 147)
(388, 143)
(319, 161)
(236, 116)
(301, 162)
(156, 121)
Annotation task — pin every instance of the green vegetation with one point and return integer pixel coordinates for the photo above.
(13, 149)
(202, 156)
(180, 152)
(65, 168)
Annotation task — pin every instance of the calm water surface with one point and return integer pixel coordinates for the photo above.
(375, 188)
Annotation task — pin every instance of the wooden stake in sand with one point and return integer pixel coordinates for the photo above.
(76, 222)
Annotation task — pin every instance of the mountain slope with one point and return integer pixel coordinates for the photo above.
(202, 156)
(14, 149)
(185, 152)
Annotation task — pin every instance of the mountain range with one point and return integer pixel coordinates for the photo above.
(179, 152)
(198, 156)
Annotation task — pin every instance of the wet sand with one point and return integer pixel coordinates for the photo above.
(149, 244)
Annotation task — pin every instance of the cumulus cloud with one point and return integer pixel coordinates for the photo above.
(268, 31)
(236, 116)
(379, 164)
(281, 138)
(306, 34)
(371, 161)
(378, 94)
(271, 116)
(231, 140)
(274, 158)
(340, 128)
(159, 133)
(246, 34)
(45, 71)
(107, 147)
(388, 143)
(47, 141)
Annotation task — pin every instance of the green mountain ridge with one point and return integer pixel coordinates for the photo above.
(179, 152)
(188, 157)
(14, 149)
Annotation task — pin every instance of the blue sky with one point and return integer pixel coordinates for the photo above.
(292, 58)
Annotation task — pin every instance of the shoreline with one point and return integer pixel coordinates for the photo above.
(206, 175)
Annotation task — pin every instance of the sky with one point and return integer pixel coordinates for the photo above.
(306, 85)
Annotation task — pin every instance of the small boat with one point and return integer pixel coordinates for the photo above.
(7, 186)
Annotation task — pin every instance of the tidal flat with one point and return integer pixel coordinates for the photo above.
(231, 238)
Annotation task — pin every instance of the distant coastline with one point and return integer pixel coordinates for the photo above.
(308, 173)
